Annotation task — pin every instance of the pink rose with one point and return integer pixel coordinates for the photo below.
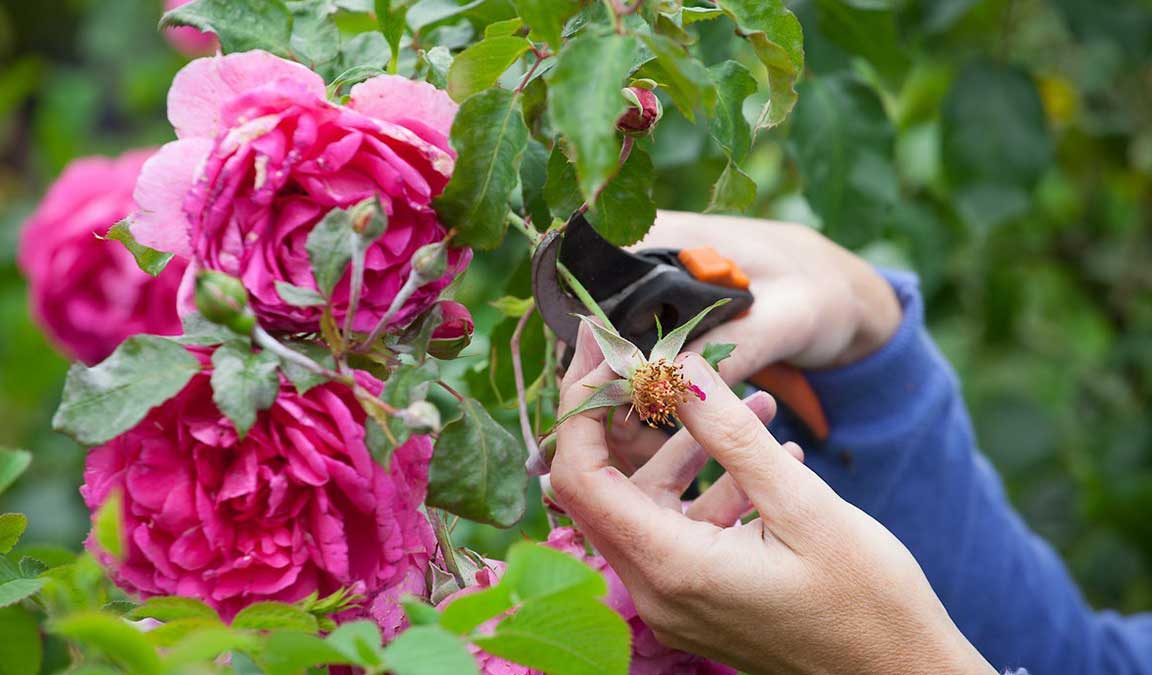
(457, 322)
(297, 506)
(87, 293)
(187, 40)
(262, 156)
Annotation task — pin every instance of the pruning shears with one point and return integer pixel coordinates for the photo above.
(641, 291)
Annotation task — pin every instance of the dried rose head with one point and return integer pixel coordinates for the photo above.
(654, 386)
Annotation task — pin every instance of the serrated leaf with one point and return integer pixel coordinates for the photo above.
(477, 469)
(547, 18)
(199, 331)
(391, 16)
(243, 383)
(12, 526)
(274, 616)
(489, 134)
(429, 650)
(107, 527)
(13, 464)
(148, 259)
(734, 190)
(585, 102)
(439, 60)
(562, 190)
(607, 395)
(298, 296)
(31, 567)
(291, 653)
(465, 613)
(561, 635)
(353, 75)
(622, 356)
(480, 66)
(728, 127)
(171, 608)
(684, 78)
(502, 28)
(315, 36)
(360, 642)
(240, 26)
(103, 401)
(624, 211)
(303, 378)
(15, 590)
(669, 346)
(536, 571)
(715, 352)
(419, 612)
(331, 245)
(533, 178)
(776, 36)
(112, 636)
(22, 649)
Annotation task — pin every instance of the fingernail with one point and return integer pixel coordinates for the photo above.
(698, 372)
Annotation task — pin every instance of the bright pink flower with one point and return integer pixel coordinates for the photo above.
(262, 156)
(189, 41)
(457, 322)
(87, 293)
(297, 506)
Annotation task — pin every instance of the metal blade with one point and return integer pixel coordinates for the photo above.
(557, 307)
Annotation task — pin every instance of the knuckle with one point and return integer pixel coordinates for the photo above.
(740, 432)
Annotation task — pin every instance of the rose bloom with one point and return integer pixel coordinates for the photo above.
(297, 506)
(87, 293)
(187, 40)
(262, 156)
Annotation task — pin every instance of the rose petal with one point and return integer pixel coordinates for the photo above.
(164, 183)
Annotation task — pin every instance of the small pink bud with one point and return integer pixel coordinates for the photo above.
(644, 111)
(454, 332)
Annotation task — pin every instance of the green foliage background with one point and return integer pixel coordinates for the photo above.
(1001, 148)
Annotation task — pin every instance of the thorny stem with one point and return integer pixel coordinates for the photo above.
(266, 341)
(444, 541)
(535, 462)
(413, 284)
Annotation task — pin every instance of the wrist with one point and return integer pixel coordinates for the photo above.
(878, 314)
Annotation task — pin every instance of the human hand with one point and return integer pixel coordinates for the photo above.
(814, 585)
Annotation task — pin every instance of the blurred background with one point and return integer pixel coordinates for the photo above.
(1000, 148)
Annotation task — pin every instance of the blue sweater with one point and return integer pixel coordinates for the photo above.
(902, 449)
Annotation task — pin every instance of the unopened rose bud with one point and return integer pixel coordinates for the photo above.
(421, 418)
(430, 262)
(222, 299)
(644, 111)
(454, 332)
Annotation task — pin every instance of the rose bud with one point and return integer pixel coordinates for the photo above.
(222, 300)
(644, 111)
(430, 262)
(454, 332)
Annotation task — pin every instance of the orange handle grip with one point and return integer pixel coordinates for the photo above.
(786, 383)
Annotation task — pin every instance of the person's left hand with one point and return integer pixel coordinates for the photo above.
(813, 585)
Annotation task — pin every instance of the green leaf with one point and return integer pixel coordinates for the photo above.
(536, 571)
(360, 642)
(108, 525)
(16, 590)
(995, 141)
(693, 15)
(21, 650)
(13, 464)
(561, 190)
(562, 635)
(502, 28)
(533, 178)
(419, 612)
(624, 211)
(12, 526)
(209, 642)
(199, 331)
(391, 15)
(353, 75)
(477, 469)
(103, 401)
(291, 653)
(303, 378)
(315, 36)
(243, 382)
(668, 348)
(112, 636)
(684, 78)
(734, 190)
(869, 31)
(607, 395)
(31, 567)
(429, 650)
(241, 26)
(729, 128)
(513, 307)
(489, 134)
(148, 259)
(298, 296)
(715, 352)
(547, 19)
(776, 36)
(843, 145)
(439, 60)
(331, 245)
(585, 102)
(171, 633)
(481, 65)
(171, 608)
(465, 613)
(275, 616)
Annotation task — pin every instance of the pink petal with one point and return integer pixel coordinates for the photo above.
(397, 99)
(200, 90)
(161, 189)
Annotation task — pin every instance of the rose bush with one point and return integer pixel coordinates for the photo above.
(87, 292)
(262, 156)
(187, 40)
(296, 506)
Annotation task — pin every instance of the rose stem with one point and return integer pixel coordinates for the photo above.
(444, 540)
(266, 341)
(413, 284)
(355, 287)
(535, 461)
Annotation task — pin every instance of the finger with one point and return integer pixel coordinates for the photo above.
(787, 494)
(586, 356)
(724, 503)
(633, 440)
(669, 473)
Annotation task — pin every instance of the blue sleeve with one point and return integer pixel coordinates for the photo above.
(902, 449)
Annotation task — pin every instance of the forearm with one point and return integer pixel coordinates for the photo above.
(902, 449)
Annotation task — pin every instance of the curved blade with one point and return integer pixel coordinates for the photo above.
(557, 307)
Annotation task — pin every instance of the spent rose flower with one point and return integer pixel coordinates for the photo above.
(86, 292)
(297, 506)
(262, 156)
(189, 41)
(644, 111)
